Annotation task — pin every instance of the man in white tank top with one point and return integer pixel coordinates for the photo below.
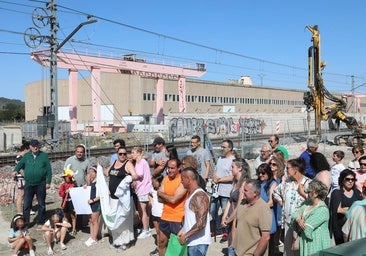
(196, 229)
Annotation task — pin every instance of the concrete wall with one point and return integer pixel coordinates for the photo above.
(126, 94)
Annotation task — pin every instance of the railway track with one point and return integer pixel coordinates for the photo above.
(9, 160)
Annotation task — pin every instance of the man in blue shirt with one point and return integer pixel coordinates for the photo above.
(312, 146)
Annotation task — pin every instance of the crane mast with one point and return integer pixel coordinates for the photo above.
(314, 99)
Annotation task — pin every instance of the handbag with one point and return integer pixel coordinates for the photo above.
(175, 248)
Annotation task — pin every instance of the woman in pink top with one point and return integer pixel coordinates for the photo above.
(142, 188)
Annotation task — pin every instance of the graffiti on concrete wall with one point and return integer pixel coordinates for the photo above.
(251, 125)
(181, 127)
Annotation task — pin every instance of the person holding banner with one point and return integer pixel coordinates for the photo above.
(120, 206)
(94, 203)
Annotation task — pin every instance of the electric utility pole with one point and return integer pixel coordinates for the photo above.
(33, 39)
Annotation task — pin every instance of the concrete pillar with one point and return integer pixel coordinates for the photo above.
(182, 94)
(96, 98)
(73, 99)
(160, 101)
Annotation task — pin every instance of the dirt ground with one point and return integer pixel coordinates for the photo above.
(76, 246)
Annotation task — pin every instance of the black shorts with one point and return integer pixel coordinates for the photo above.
(170, 227)
(155, 218)
(69, 207)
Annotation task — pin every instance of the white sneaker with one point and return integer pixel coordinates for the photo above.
(93, 242)
(32, 212)
(31, 253)
(87, 242)
(50, 252)
(90, 242)
(89, 239)
(144, 234)
(63, 246)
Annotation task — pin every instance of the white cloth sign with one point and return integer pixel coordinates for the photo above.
(80, 197)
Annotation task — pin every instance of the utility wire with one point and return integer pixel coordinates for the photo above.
(217, 50)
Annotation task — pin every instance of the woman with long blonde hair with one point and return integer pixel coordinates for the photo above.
(143, 187)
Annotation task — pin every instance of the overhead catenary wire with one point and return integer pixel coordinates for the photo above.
(218, 52)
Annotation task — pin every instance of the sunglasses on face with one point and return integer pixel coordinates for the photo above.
(273, 164)
(122, 154)
(261, 173)
(349, 179)
(362, 164)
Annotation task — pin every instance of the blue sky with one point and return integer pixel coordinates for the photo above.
(266, 40)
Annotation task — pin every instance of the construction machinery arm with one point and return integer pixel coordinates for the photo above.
(314, 99)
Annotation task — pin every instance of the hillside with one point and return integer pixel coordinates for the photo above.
(4, 101)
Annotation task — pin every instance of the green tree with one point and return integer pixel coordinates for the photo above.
(12, 112)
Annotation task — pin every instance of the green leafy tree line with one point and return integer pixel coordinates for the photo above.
(12, 112)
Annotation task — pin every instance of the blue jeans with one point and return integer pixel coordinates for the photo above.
(231, 251)
(216, 203)
(40, 192)
(197, 250)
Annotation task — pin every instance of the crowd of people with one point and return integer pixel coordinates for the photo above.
(303, 204)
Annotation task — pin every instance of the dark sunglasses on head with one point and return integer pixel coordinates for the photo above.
(261, 173)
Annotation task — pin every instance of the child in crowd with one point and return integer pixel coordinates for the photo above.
(337, 167)
(55, 230)
(64, 192)
(94, 202)
(19, 236)
(156, 207)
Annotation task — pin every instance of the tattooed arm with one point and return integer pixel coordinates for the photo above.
(199, 204)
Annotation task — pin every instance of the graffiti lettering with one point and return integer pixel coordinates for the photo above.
(181, 127)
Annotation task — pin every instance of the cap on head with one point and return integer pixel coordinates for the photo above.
(34, 143)
(68, 173)
(158, 140)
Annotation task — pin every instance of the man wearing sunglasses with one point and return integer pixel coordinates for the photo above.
(274, 142)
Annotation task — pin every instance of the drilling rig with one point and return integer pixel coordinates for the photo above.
(314, 99)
